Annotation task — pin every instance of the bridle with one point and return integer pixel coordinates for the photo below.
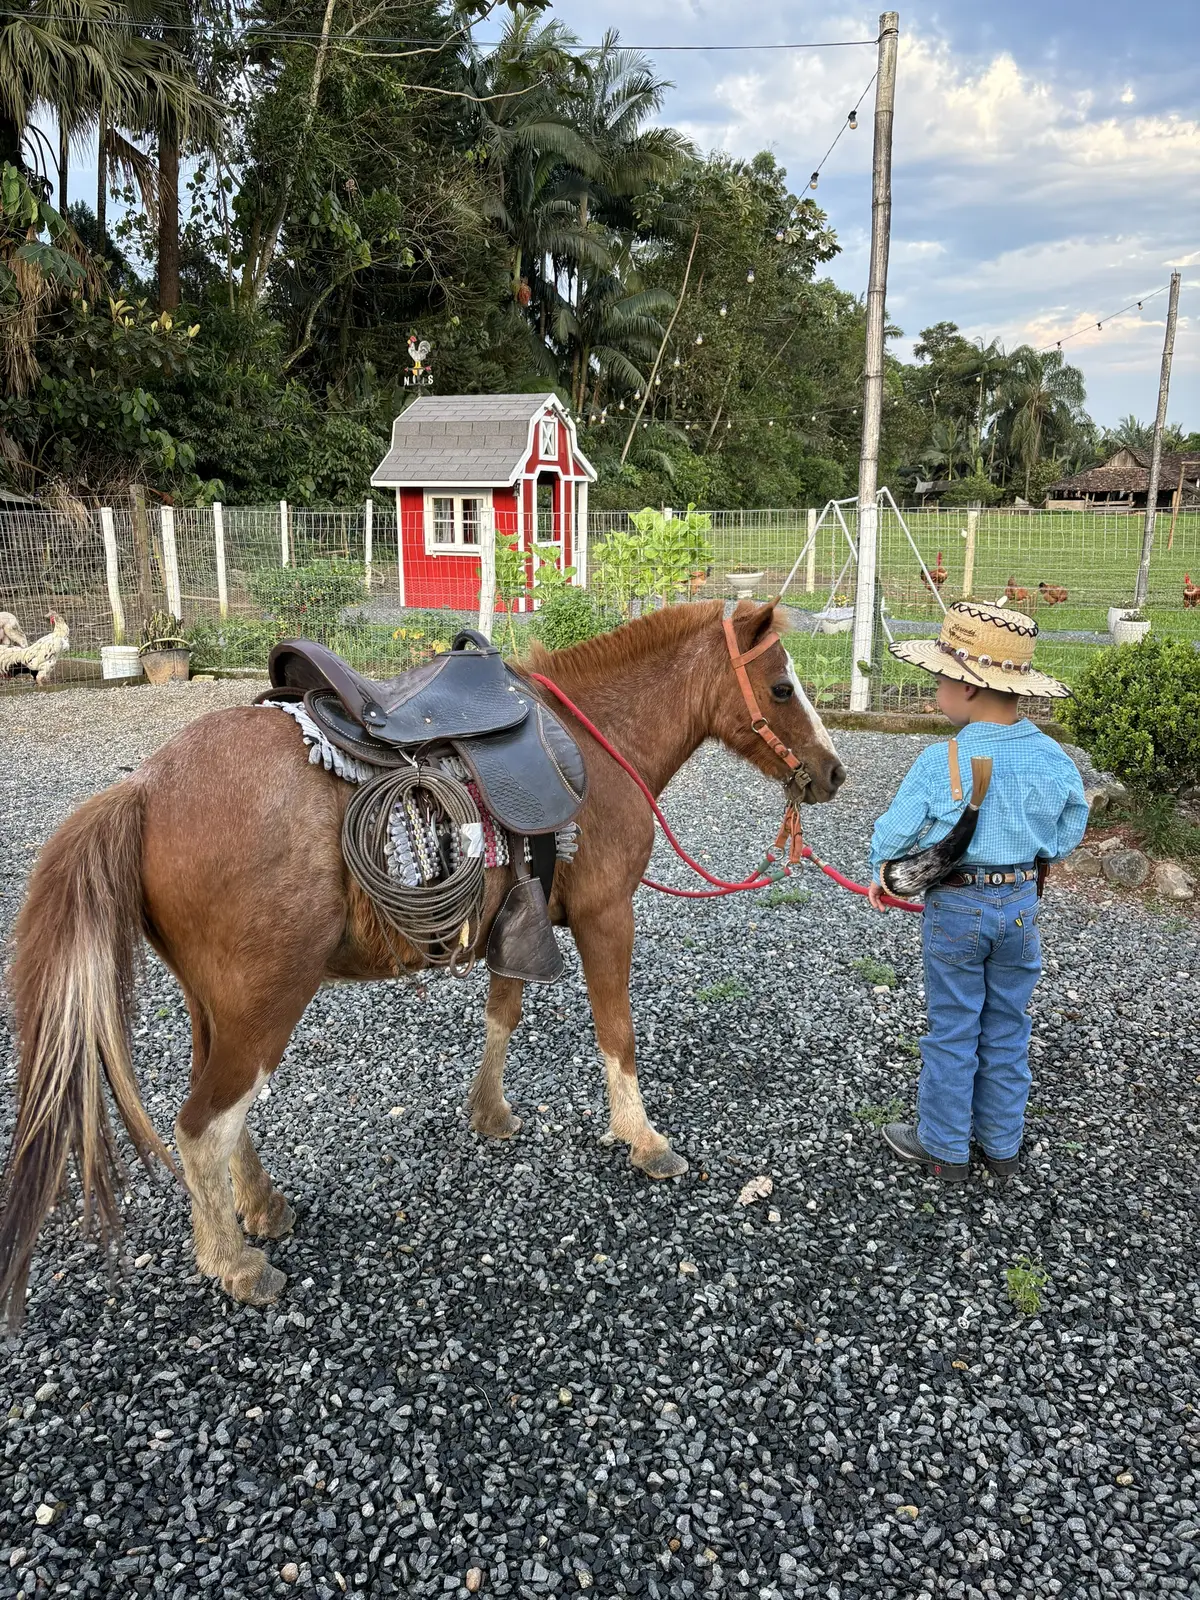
(800, 776)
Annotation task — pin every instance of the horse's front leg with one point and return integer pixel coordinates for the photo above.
(491, 1113)
(605, 945)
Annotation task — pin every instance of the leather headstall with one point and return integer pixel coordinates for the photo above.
(800, 775)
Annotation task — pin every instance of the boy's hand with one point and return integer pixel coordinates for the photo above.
(875, 894)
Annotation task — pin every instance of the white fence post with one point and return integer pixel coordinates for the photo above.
(283, 532)
(810, 570)
(969, 558)
(368, 539)
(218, 511)
(112, 573)
(487, 576)
(581, 535)
(170, 562)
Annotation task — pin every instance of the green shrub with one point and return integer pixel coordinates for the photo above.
(975, 490)
(219, 642)
(1136, 712)
(306, 602)
(569, 616)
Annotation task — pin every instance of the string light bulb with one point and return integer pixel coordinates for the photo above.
(699, 338)
(852, 119)
(780, 236)
(1139, 305)
(677, 363)
(724, 310)
(771, 423)
(812, 182)
(1100, 325)
(750, 275)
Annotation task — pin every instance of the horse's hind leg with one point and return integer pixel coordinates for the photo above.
(264, 1212)
(210, 1132)
(491, 1113)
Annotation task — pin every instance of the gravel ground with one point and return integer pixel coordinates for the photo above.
(526, 1360)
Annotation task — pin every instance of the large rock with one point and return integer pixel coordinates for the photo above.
(1173, 882)
(1083, 863)
(1128, 869)
(1097, 801)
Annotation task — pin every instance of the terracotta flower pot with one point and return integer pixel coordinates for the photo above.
(166, 666)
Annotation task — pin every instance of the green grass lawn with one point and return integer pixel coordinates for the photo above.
(1094, 557)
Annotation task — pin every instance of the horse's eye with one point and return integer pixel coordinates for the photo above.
(782, 691)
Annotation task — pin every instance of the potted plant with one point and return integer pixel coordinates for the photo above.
(164, 651)
(1127, 627)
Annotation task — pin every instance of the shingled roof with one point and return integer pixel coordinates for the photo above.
(1128, 472)
(464, 441)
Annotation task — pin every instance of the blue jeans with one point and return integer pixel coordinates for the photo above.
(983, 957)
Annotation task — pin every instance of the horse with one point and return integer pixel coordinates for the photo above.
(223, 849)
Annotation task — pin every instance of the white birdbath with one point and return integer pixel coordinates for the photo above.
(744, 584)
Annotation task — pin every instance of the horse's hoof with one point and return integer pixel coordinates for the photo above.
(662, 1163)
(503, 1124)
(275, 1221)
(254, 1280)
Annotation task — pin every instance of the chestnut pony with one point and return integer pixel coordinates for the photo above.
(224, 851)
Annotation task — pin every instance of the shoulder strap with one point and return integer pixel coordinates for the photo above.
(956, 788)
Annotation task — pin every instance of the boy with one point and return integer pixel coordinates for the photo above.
(980, 935)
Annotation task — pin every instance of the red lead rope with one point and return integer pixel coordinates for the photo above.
(756, 880)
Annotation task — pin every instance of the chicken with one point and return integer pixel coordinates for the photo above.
(11, 632)
(698, 579)
(1191, 591)
(39, 658)
(1015, 596)
(934, 580)
(1051, 595)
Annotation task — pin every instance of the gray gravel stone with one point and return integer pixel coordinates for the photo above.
(747, 1428)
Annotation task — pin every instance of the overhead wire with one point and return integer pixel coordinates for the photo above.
(1134, 305)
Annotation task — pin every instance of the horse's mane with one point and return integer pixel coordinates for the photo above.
(595, 659)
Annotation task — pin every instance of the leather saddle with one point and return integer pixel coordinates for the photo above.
(528, 767)
(529, 770)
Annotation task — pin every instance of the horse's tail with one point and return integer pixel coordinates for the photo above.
(77, 939)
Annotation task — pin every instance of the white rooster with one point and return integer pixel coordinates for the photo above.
(38, 658)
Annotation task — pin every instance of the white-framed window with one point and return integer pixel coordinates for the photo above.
(548, 439)
(455, 521)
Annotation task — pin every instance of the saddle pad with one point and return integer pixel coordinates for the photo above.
(532, 777)
(459, 695)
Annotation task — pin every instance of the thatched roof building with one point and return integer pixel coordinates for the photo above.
(1121, 483)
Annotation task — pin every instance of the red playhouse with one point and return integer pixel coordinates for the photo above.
(463, 463)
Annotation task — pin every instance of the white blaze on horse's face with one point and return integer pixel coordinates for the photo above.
(820, 731)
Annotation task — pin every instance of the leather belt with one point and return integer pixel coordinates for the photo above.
(987, 877)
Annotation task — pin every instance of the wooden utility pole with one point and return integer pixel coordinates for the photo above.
(1160, 422)
(637, 416)
(863, 648)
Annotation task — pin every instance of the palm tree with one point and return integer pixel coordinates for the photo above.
(1041, 402)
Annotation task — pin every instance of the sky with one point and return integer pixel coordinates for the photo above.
(1046, 161)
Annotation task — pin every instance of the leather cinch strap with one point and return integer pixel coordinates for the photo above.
(956, 788)
(757, 721)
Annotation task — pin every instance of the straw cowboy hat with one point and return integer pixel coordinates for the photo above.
(986, 645)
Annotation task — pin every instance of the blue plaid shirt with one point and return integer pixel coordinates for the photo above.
(1034, 807)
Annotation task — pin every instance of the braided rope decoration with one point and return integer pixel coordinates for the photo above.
(434, 916)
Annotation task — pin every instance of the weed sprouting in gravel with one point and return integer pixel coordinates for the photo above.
(907, 1045)
(779, 896)
(724, 989)
(1025, 1280)
(874, 971)
(879, 1116)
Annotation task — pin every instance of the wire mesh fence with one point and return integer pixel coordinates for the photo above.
(385, 593)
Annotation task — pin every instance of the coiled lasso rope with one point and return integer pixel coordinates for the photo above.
(435, 917)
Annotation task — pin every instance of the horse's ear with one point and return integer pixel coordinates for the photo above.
(752, 623)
